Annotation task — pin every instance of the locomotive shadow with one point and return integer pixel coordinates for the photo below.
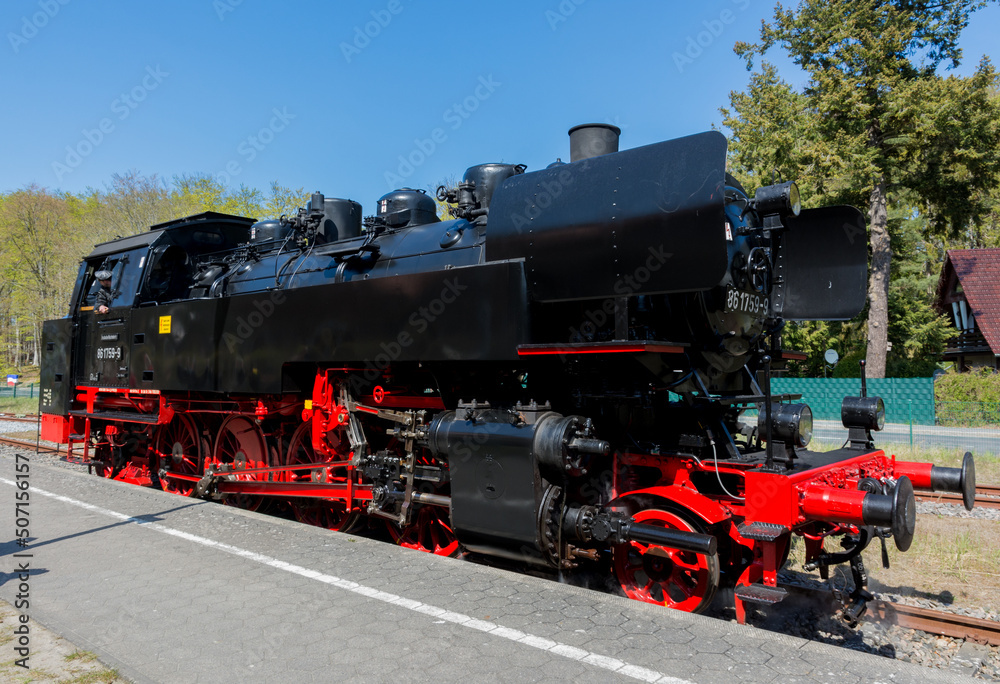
(12, 547)
(808, 617)
(945, 596)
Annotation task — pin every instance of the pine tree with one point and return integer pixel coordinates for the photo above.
(875, 122)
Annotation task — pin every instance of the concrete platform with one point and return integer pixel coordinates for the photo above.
(168, 589)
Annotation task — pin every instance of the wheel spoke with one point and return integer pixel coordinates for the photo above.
(684, 583)
(686, 562)
(429, 532)
(328, 513)
(176, 448)
(241, 443)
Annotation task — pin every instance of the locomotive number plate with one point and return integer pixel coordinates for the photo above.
(109, 353)
(746, 302)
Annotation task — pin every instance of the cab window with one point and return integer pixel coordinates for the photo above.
(126, 269)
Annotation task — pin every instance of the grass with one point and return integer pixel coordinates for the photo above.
(959, 555)
(52, 659)
(19, 404)
(952, 560)
(94, 677)
(82, 656)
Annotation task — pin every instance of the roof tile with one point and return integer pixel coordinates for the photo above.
(979, 272)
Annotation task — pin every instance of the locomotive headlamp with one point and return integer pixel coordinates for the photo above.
(790, 423)
(867, 413)
(782, 198)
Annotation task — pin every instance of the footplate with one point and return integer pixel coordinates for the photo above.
(760, 593)
(761, 531)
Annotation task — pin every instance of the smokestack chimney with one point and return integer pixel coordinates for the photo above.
(592, 140)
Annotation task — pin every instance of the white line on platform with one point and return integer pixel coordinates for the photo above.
(604, 662)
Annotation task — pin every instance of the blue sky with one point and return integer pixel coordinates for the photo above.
(354, 98)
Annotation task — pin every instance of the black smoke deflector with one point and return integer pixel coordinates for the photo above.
(822, 265)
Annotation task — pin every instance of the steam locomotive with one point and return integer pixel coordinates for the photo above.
(570, 372)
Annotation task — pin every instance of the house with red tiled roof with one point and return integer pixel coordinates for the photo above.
(969, 294)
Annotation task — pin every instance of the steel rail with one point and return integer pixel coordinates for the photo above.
(937, 622)
(955, 498)
(31, 445)
(18, 419)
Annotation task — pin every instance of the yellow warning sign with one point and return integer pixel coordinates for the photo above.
(307, 404)
(164, 325)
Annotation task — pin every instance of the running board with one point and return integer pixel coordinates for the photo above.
(761, 531)
(123, 416)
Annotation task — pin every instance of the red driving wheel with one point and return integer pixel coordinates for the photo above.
(684, 580)
(429, 532)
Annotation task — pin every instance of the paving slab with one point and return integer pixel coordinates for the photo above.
(169, 589)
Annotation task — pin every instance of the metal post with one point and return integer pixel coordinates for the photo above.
(31, 390)
(15, 390)
(910, 402)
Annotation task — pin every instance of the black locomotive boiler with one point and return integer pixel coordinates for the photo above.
(573, 372)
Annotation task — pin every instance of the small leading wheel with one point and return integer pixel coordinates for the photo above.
(328, 513)
(178, 449)
(240, 443)
(429, 532)
(684, 580)
(102, 462)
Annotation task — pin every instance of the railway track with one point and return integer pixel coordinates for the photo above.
(987, 496)
(10, 417)
(937, 622)
(44, 448)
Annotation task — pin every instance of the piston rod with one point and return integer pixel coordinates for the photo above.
(665, 536)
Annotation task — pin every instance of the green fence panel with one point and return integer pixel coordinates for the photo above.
(901, 395)
(12, 392)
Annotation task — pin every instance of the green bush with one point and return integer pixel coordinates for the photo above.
(849, 366)
(968, 413)
(980, 385)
